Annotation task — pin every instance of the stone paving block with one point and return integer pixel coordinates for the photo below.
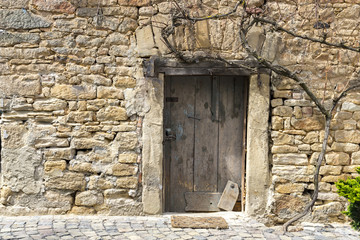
(120, 228)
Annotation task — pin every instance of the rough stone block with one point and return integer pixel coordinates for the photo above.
(58, 199)
(26, 86)
(276, 102)
(124, 82)
(14, 4)
(202, 34)
(349, 106)
(284, 149)
(73, 92)
(349, 124)
(255, 3)
(297, 112)
(290, 159)
(350, 169)
(81, 117)
(256, 38)
(86, 143)
(19, 19)
(128, 158)
(49, 105)
(77, 69)
(344, 147)
(311, 137)
(290, 188)
(89, 198)
(128, 25)
(308, 124)
(355, 158)
(347, 136)
(95, 105)
(82, 167)
(127, 140)
(134, 3)
(127, 182)
(56, 6)
(323, 187)
(120, 169)
(323, 213)
(350, 12)
(282, 94)
(344, 115)
(77, 210)
(287, 205)
(105, 59)
(20, 171)
(283, 111)
(277, 123)
(282, 139)
(45, 142)
(330, 170)
(337, 158)
(299, 103)
(304, 147)
(333, 179)
(59, 154)
(145, 41)
(330, 197)
(111, 113)
(67, 181)
(5, 193)
(96, 182)
(116, 39)
(110, 93)
(122, 51)
(307, 111)
(8, 39)
(12, 136)
(115, 193)
(86, 12)
(95, 80)
(102, 3)
(50, 166)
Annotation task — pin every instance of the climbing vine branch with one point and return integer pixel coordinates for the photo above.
(249, 18)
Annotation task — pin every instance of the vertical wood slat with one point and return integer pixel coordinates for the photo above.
(206, 138)
(243, 155)
(167, 144)
(230, 130)
(182, 149)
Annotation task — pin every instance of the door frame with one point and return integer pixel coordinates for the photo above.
(257, 137)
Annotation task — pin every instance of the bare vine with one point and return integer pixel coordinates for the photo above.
(250, 17)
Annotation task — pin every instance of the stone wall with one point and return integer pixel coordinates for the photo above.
(297, 124)
(73, 98)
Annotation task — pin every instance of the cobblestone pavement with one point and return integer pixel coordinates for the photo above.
(149, 227)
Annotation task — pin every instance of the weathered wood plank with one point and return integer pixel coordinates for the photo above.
(167, 144)
(231, 123)
(182, 148)
(243, 154)
(229, 196)
(202, 201)
(206, 138)
(176, 71)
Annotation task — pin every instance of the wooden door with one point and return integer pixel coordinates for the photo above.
(203, 137)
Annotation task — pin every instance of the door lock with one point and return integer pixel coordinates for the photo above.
(168, 135)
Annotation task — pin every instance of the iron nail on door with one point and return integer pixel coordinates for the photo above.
(194, 118)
